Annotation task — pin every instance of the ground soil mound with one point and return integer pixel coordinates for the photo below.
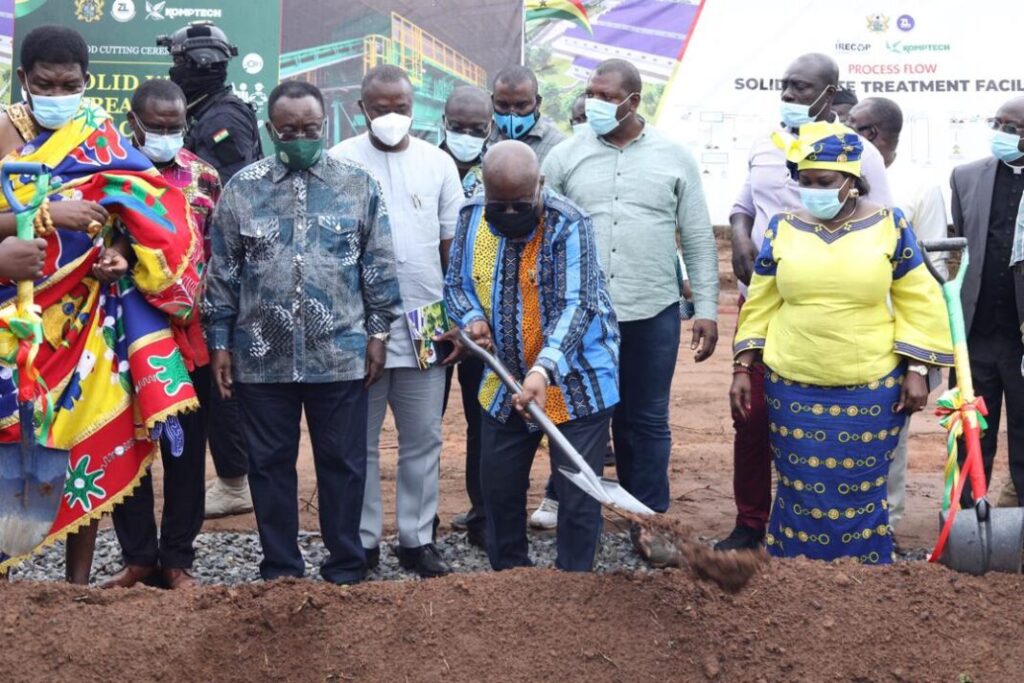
(794, 621)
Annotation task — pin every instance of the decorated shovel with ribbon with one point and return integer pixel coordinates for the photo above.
(992, 538)
(31, 474)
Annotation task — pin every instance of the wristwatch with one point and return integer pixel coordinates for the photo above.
(382, 337)
(919, 368)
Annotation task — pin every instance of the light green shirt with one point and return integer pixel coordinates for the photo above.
(639, 199)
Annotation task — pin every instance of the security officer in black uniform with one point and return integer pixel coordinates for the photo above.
(222, 130)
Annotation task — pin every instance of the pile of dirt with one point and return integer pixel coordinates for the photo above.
(794, 621)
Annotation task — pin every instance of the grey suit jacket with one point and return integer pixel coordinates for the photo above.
(971, 205)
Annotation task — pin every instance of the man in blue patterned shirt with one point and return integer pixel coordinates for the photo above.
(524, 281)
(301, 293)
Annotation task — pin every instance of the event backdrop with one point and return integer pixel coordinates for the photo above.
(122, 41)
(440, 44)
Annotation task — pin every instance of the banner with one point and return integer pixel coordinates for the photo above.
(6, 50)
(949, 66)
(122, 42)
(566, 39)
(440, 45)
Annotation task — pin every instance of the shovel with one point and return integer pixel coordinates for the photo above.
(992, 538)
(31, 474)
(605, 491)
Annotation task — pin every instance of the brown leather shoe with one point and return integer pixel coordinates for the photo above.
(129, 576)
(179, 579)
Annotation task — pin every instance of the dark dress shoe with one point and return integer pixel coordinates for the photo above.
(476, 537)
(179, 579)
(425, 561)
(741, 538)
(131, 575)
(372, 557)
(461, 522)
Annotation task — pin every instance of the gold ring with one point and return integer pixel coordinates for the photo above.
(94, 227)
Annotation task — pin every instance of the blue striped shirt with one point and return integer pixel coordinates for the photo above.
(579, 342)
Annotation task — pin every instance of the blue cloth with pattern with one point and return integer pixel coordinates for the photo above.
(832, 448)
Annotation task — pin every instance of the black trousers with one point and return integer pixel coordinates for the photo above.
(184, 493)
(507, 452)
(336, 414)
(996, 373)
(471, 372)
(227, 445)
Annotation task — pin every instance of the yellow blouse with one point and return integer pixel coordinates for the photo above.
(838, 308)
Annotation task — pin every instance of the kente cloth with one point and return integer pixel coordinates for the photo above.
(832, 448)
(113, 373)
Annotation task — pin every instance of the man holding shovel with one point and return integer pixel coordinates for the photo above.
(524, 283)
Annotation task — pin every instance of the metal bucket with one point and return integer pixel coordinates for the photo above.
(991, 541)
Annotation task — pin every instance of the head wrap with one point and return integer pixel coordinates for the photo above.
(822, 145)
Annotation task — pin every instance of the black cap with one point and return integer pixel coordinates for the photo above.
(201, 42)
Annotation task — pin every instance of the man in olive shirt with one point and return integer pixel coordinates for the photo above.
(641, 190)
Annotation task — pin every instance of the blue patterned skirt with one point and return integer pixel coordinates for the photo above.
(832, 448)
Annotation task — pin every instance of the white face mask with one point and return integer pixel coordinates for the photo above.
(391, 128)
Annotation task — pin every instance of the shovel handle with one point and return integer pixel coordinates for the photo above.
(13, 168)
(538, 415)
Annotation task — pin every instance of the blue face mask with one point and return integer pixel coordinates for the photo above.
(162, 148)
(1006, 146)
(822, 203)
(54, 112)
(514, 126)
(795, 115)
(603, 116)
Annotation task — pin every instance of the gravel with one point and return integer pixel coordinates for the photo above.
(231, 558)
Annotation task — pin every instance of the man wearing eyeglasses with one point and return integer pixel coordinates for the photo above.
(157, 121)
(301, 293)
(986, 196)
(423, 193)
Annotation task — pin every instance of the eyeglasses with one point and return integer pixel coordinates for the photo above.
(1011, 128)
(170, 130)
(311, 132)
(503, 207)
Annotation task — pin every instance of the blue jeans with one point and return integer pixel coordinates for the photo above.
(640, 431)
(507, 452)
(336, 414)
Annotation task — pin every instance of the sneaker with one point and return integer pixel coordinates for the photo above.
(461, 522)
(425, 561)
(226, 497)
(741, 538)
(545, 516)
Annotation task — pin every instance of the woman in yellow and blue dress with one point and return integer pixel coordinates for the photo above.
(847, 320)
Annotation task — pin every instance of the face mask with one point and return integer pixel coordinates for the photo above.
(795, 115)
(603, 116)
(391, 128)
(514, 126)
(579, 128)
(822, 203)
(1005, 146)
(196, 82)
(162, 148)
(464, 147)
(300, 153)
(515, 225)
(54, 112)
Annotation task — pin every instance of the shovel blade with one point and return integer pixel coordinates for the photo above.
(621, 498)
(976, 546)
(30, 492)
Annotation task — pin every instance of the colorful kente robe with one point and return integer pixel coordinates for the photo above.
(113, 373)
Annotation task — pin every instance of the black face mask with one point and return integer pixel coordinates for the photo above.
(512, 225)
(195, 82)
